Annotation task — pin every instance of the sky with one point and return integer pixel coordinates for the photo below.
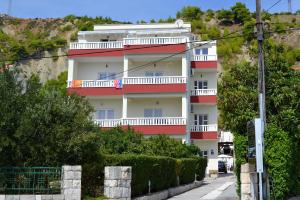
(125, 10)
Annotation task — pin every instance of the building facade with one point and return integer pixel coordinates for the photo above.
(155, 78)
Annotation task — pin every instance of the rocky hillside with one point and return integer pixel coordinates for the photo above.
(24, 41)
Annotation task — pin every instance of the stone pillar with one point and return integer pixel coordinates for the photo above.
(71, 182)
(117, 183)
(248, 182)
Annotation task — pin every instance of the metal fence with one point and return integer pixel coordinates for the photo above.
(30, 180)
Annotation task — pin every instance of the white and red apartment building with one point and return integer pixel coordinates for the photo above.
(155, 78)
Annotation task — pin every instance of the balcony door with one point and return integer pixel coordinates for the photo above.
(154, 73)
(106, 76)
(202, 51)
(153, 112)
(200, 119)
(105, 114)
(200, 85)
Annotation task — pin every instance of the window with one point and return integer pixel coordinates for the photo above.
(203, 51)
(200, 85)
(201, 119)
(106, 76)
(204, 153)
(156, 73)
(153, 112)
(212, 152)
(105, 114)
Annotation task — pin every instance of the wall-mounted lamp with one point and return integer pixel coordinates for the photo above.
(157, 102)
(106, 65)
(154, 65)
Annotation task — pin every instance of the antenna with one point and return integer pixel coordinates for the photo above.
(290, 6)
(9, 7)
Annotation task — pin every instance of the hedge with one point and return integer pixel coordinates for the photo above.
(161, 171)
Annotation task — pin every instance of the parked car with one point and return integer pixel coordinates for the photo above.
(222, 167)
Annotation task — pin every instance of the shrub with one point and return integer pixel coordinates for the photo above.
(188, 170)
(278, 160)
(200, 168)
(159, 170)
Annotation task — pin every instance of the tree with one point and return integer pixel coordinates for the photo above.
(241, 13)
(189, 13)
(226, 17)
(43, 126)
(238, 102)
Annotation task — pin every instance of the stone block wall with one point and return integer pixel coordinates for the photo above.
(71, 182)
(70, 187)
(248, 182)
(117, 182)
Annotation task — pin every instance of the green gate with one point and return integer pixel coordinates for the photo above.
(30, 180)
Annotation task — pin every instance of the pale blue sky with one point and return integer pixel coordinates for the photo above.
(124, 10)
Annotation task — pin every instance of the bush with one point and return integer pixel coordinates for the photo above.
(161, 171)
(188, 170)
(278, 159)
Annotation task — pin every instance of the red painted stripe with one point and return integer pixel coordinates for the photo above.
(204, 99)
(160, 129)
(141, 49)
(204, 64)
(204, 135)
(155, 88)
(95, 91)
(74, 53)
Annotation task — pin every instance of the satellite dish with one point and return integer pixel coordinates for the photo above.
(179, 23)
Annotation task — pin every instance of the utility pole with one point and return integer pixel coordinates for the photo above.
(290, 6)
(261, 91)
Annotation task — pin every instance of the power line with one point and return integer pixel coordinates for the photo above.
(277, 2)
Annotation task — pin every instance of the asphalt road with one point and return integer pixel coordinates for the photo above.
(222, 187)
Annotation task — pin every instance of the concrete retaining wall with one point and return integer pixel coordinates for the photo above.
(170, 192)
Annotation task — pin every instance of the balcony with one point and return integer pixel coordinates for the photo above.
(128, 41)
(204, 132)
(154, 40)
(149, 126)
(204, 58)
(155, 80)
(91, 83)
(96, 45)
(154, 121)
(108, 123)
(204, 62)
(162, 84)
(204, 128)
(204, 96)
(203, 92)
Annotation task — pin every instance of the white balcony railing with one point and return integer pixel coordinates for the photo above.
(155, 121)
(107, 122)
(96, 45)
(204, 58)
(155, 80)
(204, 128)
(154, 40)
(91, 83)
(203, 92)
(98, 83)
